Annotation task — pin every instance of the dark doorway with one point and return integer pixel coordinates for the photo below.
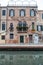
(21, 39)
(30, 38)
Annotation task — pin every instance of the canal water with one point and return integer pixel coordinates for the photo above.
(21, 57)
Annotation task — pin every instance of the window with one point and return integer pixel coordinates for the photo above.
(20, 24)
(3, 26)
(32, 12)
(24, 24)
(11, 12)
(3, 12)
(11, 26)
(11, 36)
(22, 12)
(3, 37)
(39, 27)
(42, 16)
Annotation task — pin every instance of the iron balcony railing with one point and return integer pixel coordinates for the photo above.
(22, 29)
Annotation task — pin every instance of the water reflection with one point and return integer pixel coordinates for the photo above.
(21, 58)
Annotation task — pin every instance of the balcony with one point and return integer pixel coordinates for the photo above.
(22, 29)
(33, 30)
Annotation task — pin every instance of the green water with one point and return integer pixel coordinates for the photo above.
(21, 57)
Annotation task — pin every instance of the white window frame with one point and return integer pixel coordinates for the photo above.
(22, 12)
(32, 12)
(1, 26)
(11, 12)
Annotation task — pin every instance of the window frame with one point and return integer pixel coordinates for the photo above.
(3, 12)
(3, 27)
(42, 15)
(31, 14)
(24, 24)
(10, 12)
(20, 13)
(3, 38)
(33, 26)
(41, 28)
(11, 37)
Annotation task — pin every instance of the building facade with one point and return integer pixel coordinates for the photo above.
(21, 25)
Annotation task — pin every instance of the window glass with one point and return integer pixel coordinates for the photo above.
(11, 12)
(42, 16)
(22, 13)
(3, 37)
(3, 26)
(39, 28)
(3, 12)
(32, 12)
(32, 25)
(24, 24)
(11, 36)
(20, 23)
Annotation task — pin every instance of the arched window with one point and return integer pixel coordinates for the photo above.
(20, 23)
(24, 24)
(22, 12)
(32, 12)
(11, 12)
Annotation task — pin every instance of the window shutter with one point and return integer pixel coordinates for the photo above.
(34, 13)
(9, 12)
(30, 12)
(24, 12)
(3, 26)
(42, 16)
(41, 28)
(20, 13)
(37, 27)
(13, 12)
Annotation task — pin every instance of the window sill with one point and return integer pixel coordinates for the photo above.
(21, 31)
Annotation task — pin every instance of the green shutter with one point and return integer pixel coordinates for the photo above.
(32, 25)
(37, 27)
(9, 12)
(30, 12)
(20, 13)
(41, 27)
(34, 13)
(24, 12)
(42, 16)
